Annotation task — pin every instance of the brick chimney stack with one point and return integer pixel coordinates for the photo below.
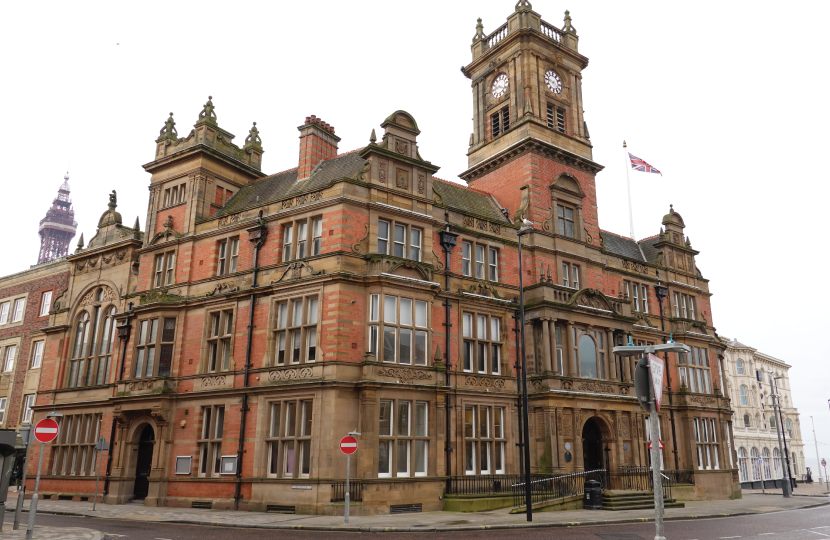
(317, 143)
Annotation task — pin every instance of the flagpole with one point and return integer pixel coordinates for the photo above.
(628, 184)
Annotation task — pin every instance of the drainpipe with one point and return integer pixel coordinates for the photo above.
(518, 369)
(124, 335)
(256, 235)
(448, 241)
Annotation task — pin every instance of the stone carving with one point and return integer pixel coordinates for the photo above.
(108, 295)
(362, 245)
(218, 380)
(401, 147)
(405, 375)
(537, 384)
(288, 374)
(140, 385)
(169, 129)
(295, 270)
(540, 425)
(484, 288)
(161, 417)
(208, 114)
(382, 171)
(222, 288)
(591, 298)
(422, 182)
(588, 237)
(675, 237)
(567, 425)
(634, 267)
(227, 220)
(567, 385)
(302, 199)
(471, 381)
(703, 400)
(253, 138)
(498, 383)
(625, 428)
(597, 387)
(481, 225)
(401, 179)
(624, 390)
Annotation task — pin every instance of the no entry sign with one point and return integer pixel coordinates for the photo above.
(348, 445)
(46, 430)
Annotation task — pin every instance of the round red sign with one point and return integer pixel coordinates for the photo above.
(348, 445)
(46, 430)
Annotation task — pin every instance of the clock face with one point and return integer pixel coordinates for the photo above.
(500, 85)
(553, 82)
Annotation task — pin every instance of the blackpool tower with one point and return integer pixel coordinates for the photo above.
(58, 227)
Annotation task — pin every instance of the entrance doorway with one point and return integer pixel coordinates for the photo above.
(144, 463)
(592, 446)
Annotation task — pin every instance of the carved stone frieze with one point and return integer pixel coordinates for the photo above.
(484, 382)
(401, 179)
(703, 400)
(481, 224)
(625, 428)
(401, 147)
(634, 267)
(295, 271)
(382, 171)
(567, 425)
(108, 295)
(405, 375)
(302, 199)
(597, 387)
(290, 374)
(218, 380)
(422, 182)
(227, 220)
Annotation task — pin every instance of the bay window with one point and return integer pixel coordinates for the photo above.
(295, 330)
(481, 347)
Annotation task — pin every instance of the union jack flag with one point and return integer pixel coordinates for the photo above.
(640, 165)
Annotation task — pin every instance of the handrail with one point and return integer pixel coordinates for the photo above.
(556, 487)
(493, 39)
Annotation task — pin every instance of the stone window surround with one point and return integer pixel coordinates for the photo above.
(4, 345)
(394, 438)
(158, 316)
(376, 324)
(489, 341)
(166, 280)
(565, 190)
(11, 300)
(272, 348)
(270, 358)
(104, 308)
(208, 337)
(298, 439)
(390, 241)
(39, 339)
(487, 269)
(227, 241)
(498, 443)
(309, 246)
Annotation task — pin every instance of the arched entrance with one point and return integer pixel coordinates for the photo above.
(144, 462)
(592, 446)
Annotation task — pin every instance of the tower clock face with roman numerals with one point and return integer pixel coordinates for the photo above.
(553, 82)
(500, 85)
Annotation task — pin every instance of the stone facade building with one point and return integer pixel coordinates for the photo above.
(756, 437)
(261, 317)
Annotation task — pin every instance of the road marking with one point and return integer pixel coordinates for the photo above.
(725, 537)
(814, 532)
(763, 534)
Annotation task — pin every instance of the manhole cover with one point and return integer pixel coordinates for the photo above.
(617, 536)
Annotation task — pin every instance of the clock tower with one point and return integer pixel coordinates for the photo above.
(528, 124)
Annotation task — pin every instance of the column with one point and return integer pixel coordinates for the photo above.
(546, 350)
(567, 352)
(553, 346)
(609, 355)
(366, 458)
(556, 440)
(579, 464)
(530, 347)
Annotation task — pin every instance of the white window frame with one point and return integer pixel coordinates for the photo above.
(493, 264)
(45, 303)
(5, 307)
(316, 236)
(37, 354)
(19, 310)
(467, 259)
(28, 403)
(9, 356)
(396, 317)
(2, 410)
(410, 245)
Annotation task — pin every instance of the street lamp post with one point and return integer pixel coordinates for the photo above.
(818, 459)
(661, 291)
(648, 400)
(785, 486)
(774, 388)
(26, 429)
(526, 428)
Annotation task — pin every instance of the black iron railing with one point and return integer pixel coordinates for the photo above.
(338, 491)
(490, 484)
(639, 478)
(550, 488)
(681, 477)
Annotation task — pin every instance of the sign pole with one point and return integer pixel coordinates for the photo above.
(348, 473)
(21, 495)
(100, 448)
(33, 503)
(656, 457)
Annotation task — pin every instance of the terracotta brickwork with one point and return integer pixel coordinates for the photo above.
(318, 301)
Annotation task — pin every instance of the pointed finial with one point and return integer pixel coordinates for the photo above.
(568, 27)
(438, 356)
(253, 138)
(66, 176)
(549, 275)
(136, 226)
(169, 130)
(208, 114)
(81, 242)
(373, 138)
(671, 208)
(624, 145)
(479, 31)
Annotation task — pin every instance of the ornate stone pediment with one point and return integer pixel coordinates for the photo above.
(592, 299)
(222, 288)
(483, 288)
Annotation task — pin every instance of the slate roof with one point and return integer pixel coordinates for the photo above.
(283, 185)
(647, 245)
(468, 201)
(619, 245)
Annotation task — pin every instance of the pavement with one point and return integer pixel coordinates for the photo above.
(427, 521)
(52, 533)
(802, 490)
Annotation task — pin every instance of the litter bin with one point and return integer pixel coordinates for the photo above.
(593, 495)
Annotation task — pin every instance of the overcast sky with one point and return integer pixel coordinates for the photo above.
(728, 99)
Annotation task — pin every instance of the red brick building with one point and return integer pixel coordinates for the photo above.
(262, 317)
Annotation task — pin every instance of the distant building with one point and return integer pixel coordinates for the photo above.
(754, 423)
(58, 227)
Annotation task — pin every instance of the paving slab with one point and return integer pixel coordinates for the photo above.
(52, 533)
(426, 521)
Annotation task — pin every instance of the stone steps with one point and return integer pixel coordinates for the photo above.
(634, 500)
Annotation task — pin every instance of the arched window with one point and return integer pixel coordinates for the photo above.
(756, 465)
(740, 365)
(743, 396)
(588, 353)
(747, 421)
(789, 427)
(743, 468)
(776, 459)
(765, 459)
(92, 352)
(772, 420)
